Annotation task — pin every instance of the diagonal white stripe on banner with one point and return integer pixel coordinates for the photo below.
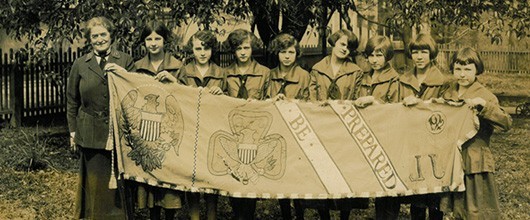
(371, 148)
(315, 151)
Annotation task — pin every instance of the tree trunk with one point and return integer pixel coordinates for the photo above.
(266, 19)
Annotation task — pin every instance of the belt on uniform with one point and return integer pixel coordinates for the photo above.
(99, 114)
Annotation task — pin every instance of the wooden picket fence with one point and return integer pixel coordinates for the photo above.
(42, 91)
(6, 76)
(496, 61)
(41, 87)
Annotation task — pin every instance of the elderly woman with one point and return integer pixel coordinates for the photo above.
(88, 121)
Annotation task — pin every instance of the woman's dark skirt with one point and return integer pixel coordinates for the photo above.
(94, 198)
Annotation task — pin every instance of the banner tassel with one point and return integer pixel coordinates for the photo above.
(113, 184)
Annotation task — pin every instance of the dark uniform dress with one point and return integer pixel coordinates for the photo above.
(481, 198)
(150, 196)
(380, 87)
(88, 116)
(247, 85)
(294, 85)
(433, 86)
(324, 85)
(190, 76)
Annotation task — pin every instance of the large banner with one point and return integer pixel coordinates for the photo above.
(184, 138)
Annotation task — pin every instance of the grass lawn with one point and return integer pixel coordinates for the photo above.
(38, 177)
(506, 84)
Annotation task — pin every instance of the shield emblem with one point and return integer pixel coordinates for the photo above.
(247, 152)
(150, 126)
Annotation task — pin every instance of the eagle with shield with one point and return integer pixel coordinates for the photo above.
(150, 128)
(247, 153)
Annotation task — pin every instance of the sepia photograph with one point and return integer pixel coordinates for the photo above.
(265, 109)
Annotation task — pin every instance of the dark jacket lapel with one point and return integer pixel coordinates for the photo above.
(94, 66)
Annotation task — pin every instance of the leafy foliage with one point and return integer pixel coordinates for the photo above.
(496, 18)
(63, 19)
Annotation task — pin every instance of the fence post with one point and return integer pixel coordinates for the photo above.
(17, 89)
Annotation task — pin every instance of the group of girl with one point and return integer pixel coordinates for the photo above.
(335, 77)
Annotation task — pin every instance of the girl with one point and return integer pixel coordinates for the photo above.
(375, 88)
(290, 81)
(245, 79)
(162, 66)
(202, 72)
(375, 85)
(335, 77)
(480, 200)
(425, 81)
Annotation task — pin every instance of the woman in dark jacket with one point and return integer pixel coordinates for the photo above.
(88, 121)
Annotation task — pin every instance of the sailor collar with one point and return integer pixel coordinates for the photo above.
(324, 67)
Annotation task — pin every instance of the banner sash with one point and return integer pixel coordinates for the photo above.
(183, 138)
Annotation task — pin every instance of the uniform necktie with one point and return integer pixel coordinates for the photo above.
(283, 84)
(333, 90)
(202, 83)
(242, 93)
(423, 87)
(103, 60)
(102, 63)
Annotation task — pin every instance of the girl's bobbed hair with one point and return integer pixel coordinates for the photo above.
(353, 42)
(466, 56)
(380, 44)
(238, 36)
(423, 42)
(157, 27)
(282, 42)
(209, 41)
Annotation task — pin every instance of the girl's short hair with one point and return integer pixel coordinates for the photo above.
(238, 36)
(353, 42)
(157, 27)
(380, 44)
(423, 42)
(209, 41)
(282, 42)
(99, 21)
(465, 56)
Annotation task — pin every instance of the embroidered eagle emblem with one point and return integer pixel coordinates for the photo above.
(150, 130)
(248, 152)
